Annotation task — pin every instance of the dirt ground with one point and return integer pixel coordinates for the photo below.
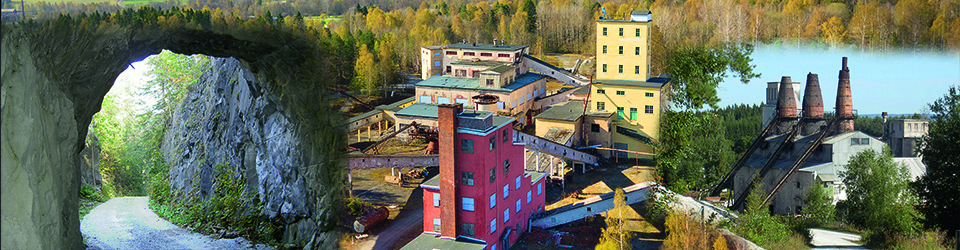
(405, 204)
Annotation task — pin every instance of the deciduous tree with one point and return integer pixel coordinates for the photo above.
(878, 196)
(939, 191)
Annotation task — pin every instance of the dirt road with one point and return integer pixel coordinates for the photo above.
(128, 223)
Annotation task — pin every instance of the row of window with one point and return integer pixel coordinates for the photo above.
(623, 92)
(636, 32)
(467, 53)
(648, 109)
(636, 69)
(469, 204)
(636, 50)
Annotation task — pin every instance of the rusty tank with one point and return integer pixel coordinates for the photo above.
(370, 219)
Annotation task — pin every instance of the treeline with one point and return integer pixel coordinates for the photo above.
(742, 123)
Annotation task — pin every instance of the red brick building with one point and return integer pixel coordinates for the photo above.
(483, 197)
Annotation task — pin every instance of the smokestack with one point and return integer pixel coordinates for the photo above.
(447, 124)
(884, 115)
(812, 101)
(786, 101)
(845, 100)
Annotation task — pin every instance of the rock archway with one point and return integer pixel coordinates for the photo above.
(55, 76)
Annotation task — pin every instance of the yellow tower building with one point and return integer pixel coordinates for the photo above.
(624, 86)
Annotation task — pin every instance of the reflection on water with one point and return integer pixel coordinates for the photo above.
(896, 81)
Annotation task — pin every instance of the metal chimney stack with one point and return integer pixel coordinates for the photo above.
(845, 100)
(812, 105)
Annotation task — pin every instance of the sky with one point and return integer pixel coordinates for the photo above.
(898, 82)
(130, 81)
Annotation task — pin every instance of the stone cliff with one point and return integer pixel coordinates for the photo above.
(226, 118)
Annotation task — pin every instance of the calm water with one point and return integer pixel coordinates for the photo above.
(898, 82)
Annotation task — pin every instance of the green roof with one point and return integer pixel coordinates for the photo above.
(565, 111)
(432, 182)
(629, 83)
(500, 120)
(431, 241)
(419, 109)
(481, 46)
(396, 106)
(474, 83)
(500, 69)
(475, 114)
(534, 175)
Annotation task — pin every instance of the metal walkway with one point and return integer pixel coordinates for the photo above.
(554, 72)
(590, 206)
(550, 147)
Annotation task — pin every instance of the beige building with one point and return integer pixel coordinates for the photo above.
(903, 136)
(623, 47)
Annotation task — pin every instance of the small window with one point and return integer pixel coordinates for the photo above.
(621, 31)
(436, 199)
(517, 185)
(489, 82)
(620, 50)
(638, 32)
(636, 51)
(636, 70)
(648, 109)
(604, 68)
(493, 228)
(467, 230)
(798, 185)
(436, 224)
(518, 206)
(506, 191)
(467, 204)
(620, 69)
(604, 49)
(620, 114)
(436, 63)
(506, 166)
(864, 141)
(540, 188)
(493, 142)
(426, 99)
(466, 178)
(621, 92)
(529, 196)
(469, 54)
(601, 91)
(451, 53)
(601, 106)
(648, 94)
(493, 175)
(633, 113)
(506, 215)
(486, 54)
(854, 141)
(466, 146)
(503, 55)
(493, 200)
(604, 31)
(436, 53)
(595, 128)
(506, 135)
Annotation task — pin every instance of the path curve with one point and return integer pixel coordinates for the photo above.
(128, 223)
(824, 239)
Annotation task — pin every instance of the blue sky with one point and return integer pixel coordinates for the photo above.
(898, 82)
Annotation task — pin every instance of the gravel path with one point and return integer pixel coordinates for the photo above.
(823, 239)
(128, 223)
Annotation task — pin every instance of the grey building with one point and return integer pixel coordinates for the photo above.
(903, 136)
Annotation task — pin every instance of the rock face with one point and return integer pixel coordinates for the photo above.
(226, 118)
(90, 163)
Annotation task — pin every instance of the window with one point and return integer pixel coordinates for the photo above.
(436, 199)
(517, 185)
(426, 99)
(489, 82)
(486, 54)
(467, 204)
(461, 100)
(595, 128)
(601, 91)
(451, 53)
(506, 190)
(506, 166)
(620, 69)
(636, 51)
(466, 178)
(604, 31)
(621, 31)
(621, 92)
(493, 228)
(638, 32)
(500, 105)
(798, 185)
(604, 49)
(466, 146)
(469, 54)
(493, 200)
(493, 175)
(648, 109)
(604, 68)
(864, 141)
(636, 69)
(601, 106)
(620, 113)
(529, 196)
(436, 53)
(436, 63)
(633, 113)
(518, 206)
(443, 100)
(493, 142)
(514, 104)
(621, 50)
(648, 94)
(503, 55)
(506, 136)
(854, 141)
(436, 224)
(506, 215)
(467, 230)
(540, 188)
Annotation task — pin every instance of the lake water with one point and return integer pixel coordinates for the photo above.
(898, 81)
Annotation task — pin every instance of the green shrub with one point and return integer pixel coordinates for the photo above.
(356, 206)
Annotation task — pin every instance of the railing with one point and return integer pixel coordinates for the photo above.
(803, 158)
(766, 167)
